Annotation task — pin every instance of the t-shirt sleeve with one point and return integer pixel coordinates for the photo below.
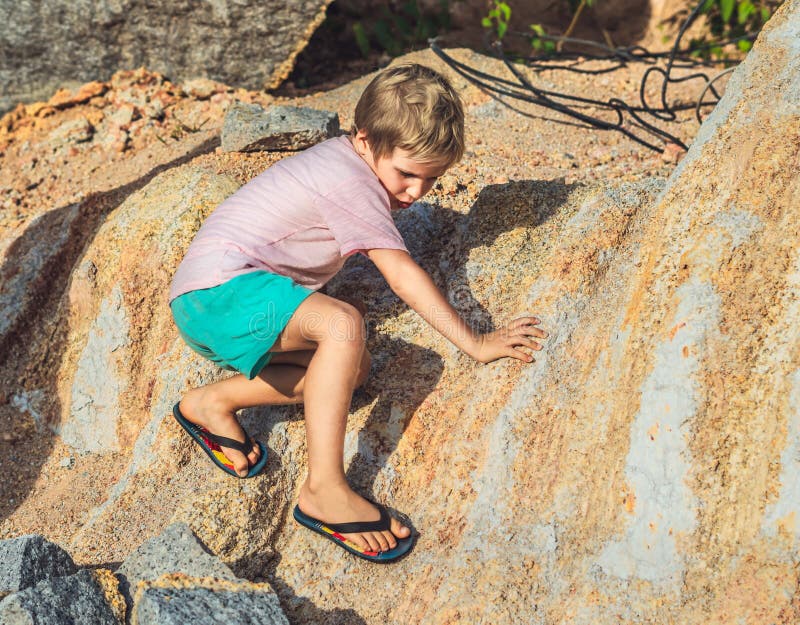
(359, 216)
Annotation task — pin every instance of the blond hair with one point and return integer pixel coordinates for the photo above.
(413, 108)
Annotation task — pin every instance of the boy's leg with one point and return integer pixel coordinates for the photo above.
(337, 330)
(281, 382)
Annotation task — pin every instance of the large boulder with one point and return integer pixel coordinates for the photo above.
(46, 43)
(642, 469)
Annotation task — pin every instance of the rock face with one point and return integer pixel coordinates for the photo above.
(85, 597)
(45, 43)
(178, 599)
(250, 128)
(642, 469)
(27, 560)
(176, 550)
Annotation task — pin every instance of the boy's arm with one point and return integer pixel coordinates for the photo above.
(414, 286)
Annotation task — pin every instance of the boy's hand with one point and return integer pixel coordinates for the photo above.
(506, 341)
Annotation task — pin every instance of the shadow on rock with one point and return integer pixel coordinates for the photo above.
(303, 610)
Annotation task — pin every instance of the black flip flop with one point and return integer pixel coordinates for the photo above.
(210, 443)
(334, 531)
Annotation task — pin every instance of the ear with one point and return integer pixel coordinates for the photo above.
(361, 144)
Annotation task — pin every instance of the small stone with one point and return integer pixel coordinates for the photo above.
(250, 128)
(203, 88)
(64, 98)
(75, 131)
(123, 115)
(154, 110)
(67, 463)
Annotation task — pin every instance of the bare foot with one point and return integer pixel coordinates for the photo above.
(340, 504)
(201, 410)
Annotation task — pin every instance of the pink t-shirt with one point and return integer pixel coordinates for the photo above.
(301, 218)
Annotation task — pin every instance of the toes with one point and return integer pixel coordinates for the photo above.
(400, 530)
(380, 538)
(372, 542)
(254, 455)
(240, 462)
(389, 540)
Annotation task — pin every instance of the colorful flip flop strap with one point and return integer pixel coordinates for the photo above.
(337, 529)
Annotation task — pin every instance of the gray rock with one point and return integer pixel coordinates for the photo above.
(208, 606)
(249, 128)
(45, 44)
(175, 550)
(59, 601)
(26, 560)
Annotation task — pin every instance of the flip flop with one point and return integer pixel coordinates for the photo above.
(210, 443)
(334, 531)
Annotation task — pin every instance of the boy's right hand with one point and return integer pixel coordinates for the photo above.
(506, 341)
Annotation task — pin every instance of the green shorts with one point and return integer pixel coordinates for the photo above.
(236, 323)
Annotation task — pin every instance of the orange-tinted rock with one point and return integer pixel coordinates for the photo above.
(65, 98)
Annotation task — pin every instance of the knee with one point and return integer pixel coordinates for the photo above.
(345, 324)
(363, 368)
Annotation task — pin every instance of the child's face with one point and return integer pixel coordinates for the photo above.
(405, 179)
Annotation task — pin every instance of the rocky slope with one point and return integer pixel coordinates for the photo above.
(641, 470)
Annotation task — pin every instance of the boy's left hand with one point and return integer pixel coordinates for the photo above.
(506, 341)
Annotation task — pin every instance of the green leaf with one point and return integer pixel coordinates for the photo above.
(537, 28)
(362, 41)
(764, 14)
(746, 9)
(505, 10)
(726, 8)
(502, 27)
(707, 6)
(744, 44)
(486, 22)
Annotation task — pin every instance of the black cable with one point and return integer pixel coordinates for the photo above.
(626, 115)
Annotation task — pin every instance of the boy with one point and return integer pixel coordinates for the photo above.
(246, 294)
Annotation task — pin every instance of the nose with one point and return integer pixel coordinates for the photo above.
(416, 190)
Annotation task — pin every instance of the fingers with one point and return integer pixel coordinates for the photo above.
(519, 355)
(516, 340)
(524, 321)
(525, 326)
